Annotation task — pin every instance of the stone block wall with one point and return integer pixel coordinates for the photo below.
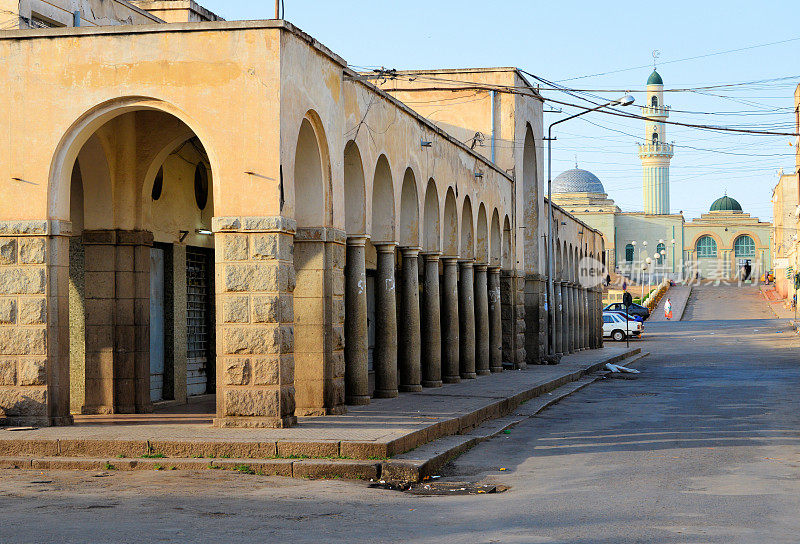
(29, 349)
(319, 260)
(535, 318)
(255, 282)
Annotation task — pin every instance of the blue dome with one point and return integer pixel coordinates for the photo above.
(577, 181)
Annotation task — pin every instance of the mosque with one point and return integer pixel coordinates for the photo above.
(657, 242)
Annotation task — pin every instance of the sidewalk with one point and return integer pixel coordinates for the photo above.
(776, 303)
(350, 445)
(679, 296)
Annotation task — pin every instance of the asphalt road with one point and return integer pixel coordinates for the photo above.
(703, 447)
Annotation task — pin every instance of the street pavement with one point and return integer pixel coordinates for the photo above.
(703, 447)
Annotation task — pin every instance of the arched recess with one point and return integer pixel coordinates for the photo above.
(570, 263)
(383, 221)
(317, 391)
(495, 241)
(111, 157)
(355, 202)
(482, 238)
(309, 178)
(507, 263)
(431, 237)
(530, 190)
(565, 266)
(467, 246)
(450, 225)
(409, 211)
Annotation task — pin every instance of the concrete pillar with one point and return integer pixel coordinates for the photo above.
(482, 361)
(356, 342)
(385, 351)
(581, 323)
(574, 333)
(585, 314)
(34, 323)
(431, 324)
(450, 322)
(466, 314)
(409, 344)
(569, 329)
(561, 322)
(259, 345)
(495, 321)
(535, 319)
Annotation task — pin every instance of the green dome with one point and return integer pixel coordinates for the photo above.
(655, 79)
(726, 204)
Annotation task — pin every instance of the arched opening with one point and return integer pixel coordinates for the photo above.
(495, 245)
(654, 101)
(655, 138)
(141, 288)
(354, 191)
(629, 251)
(530, 187)
(431, 238)
(318, 390)
(706, 247)
(482, 238)
(409, 211)
(507, 255)
(744, 247)
(467, 247)
(450, 225)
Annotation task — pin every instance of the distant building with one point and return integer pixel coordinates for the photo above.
(717, 245)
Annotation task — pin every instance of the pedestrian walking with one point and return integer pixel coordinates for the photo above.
(668, 310)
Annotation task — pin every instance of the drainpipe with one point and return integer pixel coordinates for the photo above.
(494, 95)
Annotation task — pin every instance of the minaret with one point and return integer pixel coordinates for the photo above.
(656, 152)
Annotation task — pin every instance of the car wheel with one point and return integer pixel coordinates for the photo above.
(618, 336)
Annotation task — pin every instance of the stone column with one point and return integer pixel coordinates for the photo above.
(586, 320)
(431, 324)
(495, 321)
(385, 351)
(466, 314)
(256, 325)
(409, 344)
(482, 361)
(513, 310)
(579, 305)
(450, 322)
(569, 327)
(575, 317)
(356, 342)
(559, 318)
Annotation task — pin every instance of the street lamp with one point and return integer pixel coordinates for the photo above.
(626, 100)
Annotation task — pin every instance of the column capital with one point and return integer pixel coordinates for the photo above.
(449, 259)
(358, 240)
(385, 247)
(495, 269)
(410, 251)
(432, 255)
(465, 263)
(481, 267)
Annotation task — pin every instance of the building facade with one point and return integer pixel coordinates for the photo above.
(786, 220)
(656, 243)
(157, 243)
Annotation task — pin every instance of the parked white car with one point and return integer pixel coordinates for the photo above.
(614, 327)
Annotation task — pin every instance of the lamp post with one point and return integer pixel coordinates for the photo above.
(626, 100)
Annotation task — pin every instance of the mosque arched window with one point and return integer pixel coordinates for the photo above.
(655, 138)
(659, 249)
(706, 246)
(654, 101)
(745, 247)
(629, 253)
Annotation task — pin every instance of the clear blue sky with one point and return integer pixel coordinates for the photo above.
(560, 40)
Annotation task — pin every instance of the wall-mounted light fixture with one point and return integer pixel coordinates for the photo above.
(425, 143)
(204, 232)
(478, 175)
